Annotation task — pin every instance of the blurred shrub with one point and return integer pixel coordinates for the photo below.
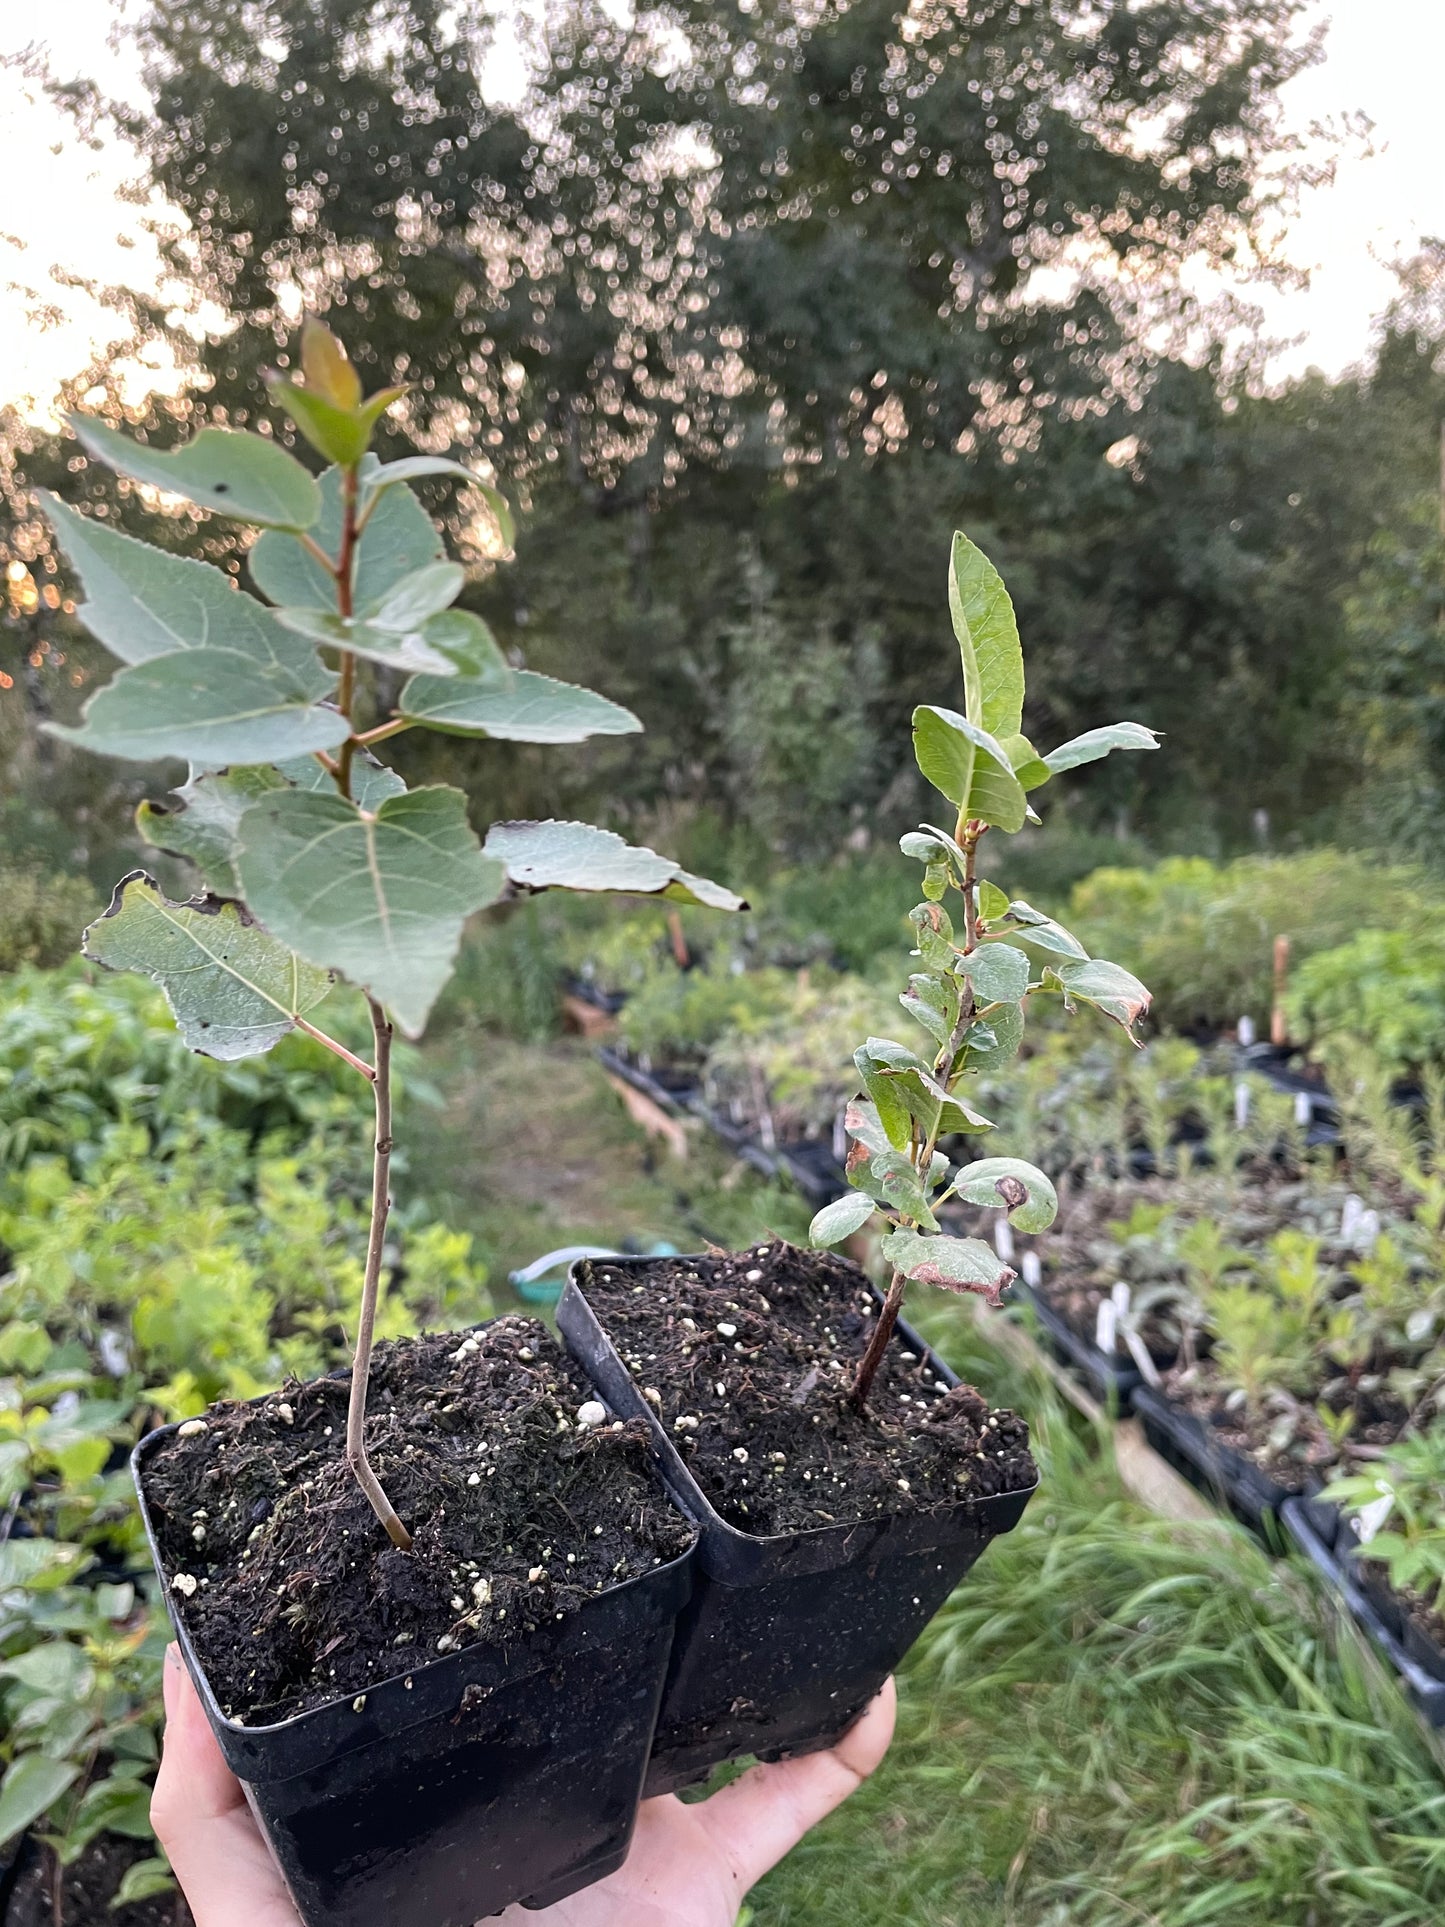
(43, 917)
(1201, 935)
(1385, 988)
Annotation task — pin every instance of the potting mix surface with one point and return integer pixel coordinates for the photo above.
(290, 1589)
(749, 1358)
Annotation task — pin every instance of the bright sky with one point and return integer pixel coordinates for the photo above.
(63, 217)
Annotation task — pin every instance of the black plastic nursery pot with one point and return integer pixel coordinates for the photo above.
(1417, 1662)
(786, 1638)
(492, 1775)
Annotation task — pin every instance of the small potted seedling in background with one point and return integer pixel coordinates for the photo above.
(844, 1481)
(372, 1598)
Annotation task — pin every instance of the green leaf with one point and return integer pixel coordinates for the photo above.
(1012, 1185)
(469, 645)
(892, 1178)
(1036, 928)
(1096, 743)
(234, 990)
(143, 1880)
(112, 1806)
(863, 1124)
(888, 1109)
(991, 902)
(31, 1786)
(371, 782)
(201, 825)
(932, 1002)
(337, 433)
(576, 856)
(379, 896)
(525, 708)
(999, 973)
(56, 1670)
(414, 467)
(840, 1220)
(967, 765)
(994, 1039)
(55, 1727)
(957, 1264)
(39, 1565)
(398, 539)
(988, 641)
(1028, 766)
(1108, 986)
(909, 1081)
(222, 469)
(211, 707)
(397, 648)
(144, 603)
(923, 847)
(934, 932)
(407, 604)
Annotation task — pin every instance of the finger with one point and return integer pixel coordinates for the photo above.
(765, 1813)
(201, 1819)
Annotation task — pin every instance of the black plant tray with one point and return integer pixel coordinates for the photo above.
(495, 1774)
(786, 1637)
(672, 1090)
(1193, 1448)
(1419, 1664)
(1108, 1379)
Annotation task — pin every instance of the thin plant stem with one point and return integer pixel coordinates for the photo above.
(340, 1050)
(382, 731)
(878, 1344)
(345, 608)
(356, 1456)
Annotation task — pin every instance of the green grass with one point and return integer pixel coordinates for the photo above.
(1116, 1720)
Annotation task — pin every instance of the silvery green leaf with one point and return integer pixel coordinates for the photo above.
(577, 856)
(1036, 928)
(413, 468)
(201, 825)
(1095, 743)
(226, 470)
(521, 708)
(379, 896)
(1012, 1185)
(425, 592)
(988, 640)
(234, 990)
(398, 539)
(143, 603)
(840, 1220)
(956, 1264)
(968, 766)
(211, 707)
(371, 782)
(1108, 986)
(999, 973)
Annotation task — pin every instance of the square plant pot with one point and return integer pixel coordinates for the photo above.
(787, 1636)
(492, 1774)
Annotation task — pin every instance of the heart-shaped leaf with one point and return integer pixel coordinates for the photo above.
(521, 708)
(211, 707)
(379, 896)
(225, 470)
(144, 603)
(201, 825)
(234, 990)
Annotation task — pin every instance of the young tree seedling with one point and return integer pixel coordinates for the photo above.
(975, 979)
(318, 862)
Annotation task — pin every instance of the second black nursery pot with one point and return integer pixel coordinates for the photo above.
(786, 1638)
(488, 1776)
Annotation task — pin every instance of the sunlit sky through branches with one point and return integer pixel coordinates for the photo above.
(67, 220)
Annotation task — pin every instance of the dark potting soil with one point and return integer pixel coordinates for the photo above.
(292, 1593)
(749, 1357)
(86, 1889)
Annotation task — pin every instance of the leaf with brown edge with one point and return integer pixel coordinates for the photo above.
(954, 1264)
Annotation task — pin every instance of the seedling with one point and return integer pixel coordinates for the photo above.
(318, 862)
(976, 979)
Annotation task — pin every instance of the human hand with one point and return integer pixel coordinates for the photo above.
(690, 1865)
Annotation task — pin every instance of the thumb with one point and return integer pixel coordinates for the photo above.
(765, 1813)
(201, 1819)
